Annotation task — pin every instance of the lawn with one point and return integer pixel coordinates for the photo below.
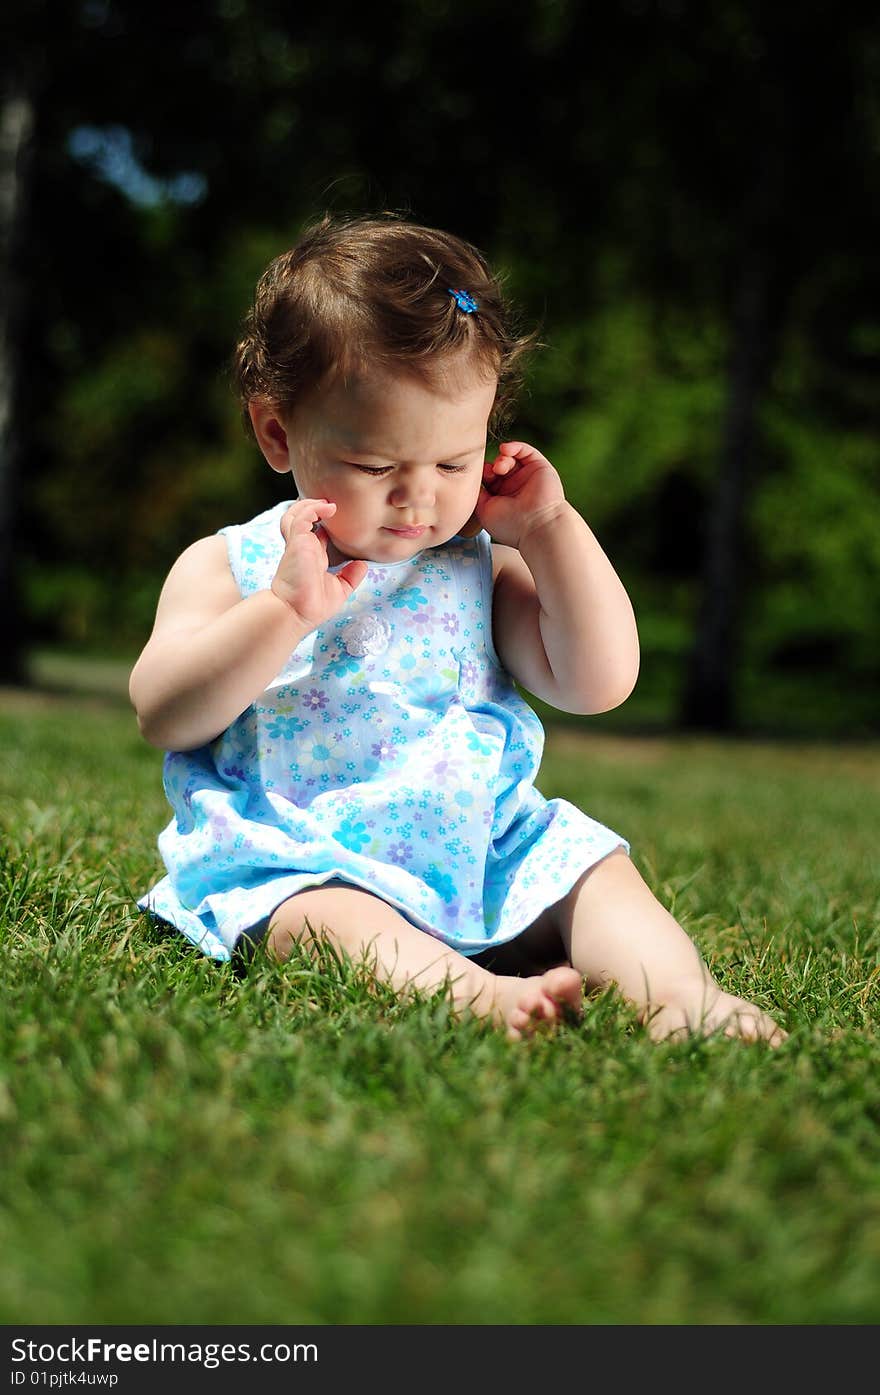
(183, 1146)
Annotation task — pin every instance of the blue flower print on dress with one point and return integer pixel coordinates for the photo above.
(353, 836)
(411, 597)
(346, 663)
(283, 727)
(408, 666)
(433, 690)
(318, 758)
(252, 550)
(479, 744)
(441, 882)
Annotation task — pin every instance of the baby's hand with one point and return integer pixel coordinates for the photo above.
(521, 491)
(302, 579)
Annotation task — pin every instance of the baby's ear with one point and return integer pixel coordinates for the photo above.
(271, 434)
(471, 528)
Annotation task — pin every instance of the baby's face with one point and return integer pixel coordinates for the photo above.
(401, 459)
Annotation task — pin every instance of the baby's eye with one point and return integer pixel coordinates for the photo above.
(452, 469)
(371, 469)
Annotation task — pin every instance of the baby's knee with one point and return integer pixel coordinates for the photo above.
(272, 939)
(274, 936)
(287, 926)
(279, 942)
(331, 910)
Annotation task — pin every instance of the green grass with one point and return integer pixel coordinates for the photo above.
(181, 1146)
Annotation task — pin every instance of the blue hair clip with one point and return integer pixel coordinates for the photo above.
(464, 301)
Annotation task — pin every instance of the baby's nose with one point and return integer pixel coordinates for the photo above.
(413, 490)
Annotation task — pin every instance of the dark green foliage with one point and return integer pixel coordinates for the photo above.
(636, 168)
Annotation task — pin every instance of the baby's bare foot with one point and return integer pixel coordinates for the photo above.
(703, 1013)
(535, 1004)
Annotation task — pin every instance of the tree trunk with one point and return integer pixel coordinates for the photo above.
(709, 701)
(16, 137)
(766, 272)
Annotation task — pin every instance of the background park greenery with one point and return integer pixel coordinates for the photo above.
(685, 198)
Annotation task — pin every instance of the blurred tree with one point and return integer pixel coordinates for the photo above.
(21, 75)
(789, 89)
(677, 175)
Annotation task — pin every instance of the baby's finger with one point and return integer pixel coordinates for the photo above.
(494, 471)
(320, 533)
(523, 452)
(303, 515)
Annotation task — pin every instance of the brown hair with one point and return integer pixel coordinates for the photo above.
(374, 290)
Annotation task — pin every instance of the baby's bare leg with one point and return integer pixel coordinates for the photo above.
(616, 931)
(400, 954)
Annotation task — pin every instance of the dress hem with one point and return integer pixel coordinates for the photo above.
(210, 940)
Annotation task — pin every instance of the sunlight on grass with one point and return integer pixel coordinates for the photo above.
(180, 1145)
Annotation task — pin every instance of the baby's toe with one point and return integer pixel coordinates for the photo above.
(565, 987)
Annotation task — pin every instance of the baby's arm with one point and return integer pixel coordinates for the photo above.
(563, 624)
(211, 652)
